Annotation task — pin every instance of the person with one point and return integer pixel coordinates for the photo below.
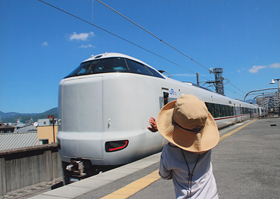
(192, 132)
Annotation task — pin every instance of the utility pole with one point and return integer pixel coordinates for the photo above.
(218, 83)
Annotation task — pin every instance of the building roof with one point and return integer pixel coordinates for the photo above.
(17, 140)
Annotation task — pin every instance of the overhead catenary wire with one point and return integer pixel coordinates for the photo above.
(153, 35)
(159, 38)
(237, 88)
(116, 36)
(233, 91)
(130, 41)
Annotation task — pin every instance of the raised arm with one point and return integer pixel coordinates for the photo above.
(153, 124)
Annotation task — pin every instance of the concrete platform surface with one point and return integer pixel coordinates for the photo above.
(246, 164)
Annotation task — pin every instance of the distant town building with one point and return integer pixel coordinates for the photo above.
(271, 102)
(43, 132)
(6, 128)
(46, 131)
(44, 122)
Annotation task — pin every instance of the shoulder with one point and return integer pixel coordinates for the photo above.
(169, 148)
(170, 152)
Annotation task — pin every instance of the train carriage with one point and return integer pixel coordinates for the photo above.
(105, 105)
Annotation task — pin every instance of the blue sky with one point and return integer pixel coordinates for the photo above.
(40, 45)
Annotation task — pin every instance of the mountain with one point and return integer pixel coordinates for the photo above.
(10, 114)
(12, 117)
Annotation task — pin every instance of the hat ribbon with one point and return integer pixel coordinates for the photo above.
(195, 130)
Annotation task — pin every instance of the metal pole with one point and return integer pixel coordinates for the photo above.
(197, 79)
(278, 100)
(278, 88)
(278, 97)
(53, 132)
(52, 118)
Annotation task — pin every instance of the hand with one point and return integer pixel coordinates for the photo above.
(153, 124)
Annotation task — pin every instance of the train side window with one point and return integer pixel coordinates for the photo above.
(217, 110)
(210, 107)
(222, 110)
(135, 67)
(226, 110)
(155, 73)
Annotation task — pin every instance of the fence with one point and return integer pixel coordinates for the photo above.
(27, 166)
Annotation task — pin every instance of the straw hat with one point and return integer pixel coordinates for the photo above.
(188, 124)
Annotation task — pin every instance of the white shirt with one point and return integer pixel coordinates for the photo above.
(173, 166)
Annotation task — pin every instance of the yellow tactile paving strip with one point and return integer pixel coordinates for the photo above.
(234, 131)
(140, 184)
(134, 187)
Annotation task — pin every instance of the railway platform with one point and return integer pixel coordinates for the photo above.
(246, 164)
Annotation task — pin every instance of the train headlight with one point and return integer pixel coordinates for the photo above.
(115, 145)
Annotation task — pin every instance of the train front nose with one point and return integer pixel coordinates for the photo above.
(80, 111)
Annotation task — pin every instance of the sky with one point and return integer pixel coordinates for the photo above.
(40, 45)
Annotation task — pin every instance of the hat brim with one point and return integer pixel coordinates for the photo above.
(199, 142)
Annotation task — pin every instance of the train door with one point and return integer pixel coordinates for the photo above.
(250, 112)
(241, 113)
(235, 113)
(238, 116)
(165, 97)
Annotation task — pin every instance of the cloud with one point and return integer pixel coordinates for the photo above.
(256, 69)
(45, 43)
(86, 46)
(239, 71)
(276, 65)
(81, 36)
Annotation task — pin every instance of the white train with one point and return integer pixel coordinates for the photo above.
(104, 110)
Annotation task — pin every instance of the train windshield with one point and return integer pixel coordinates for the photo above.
(110, 65)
